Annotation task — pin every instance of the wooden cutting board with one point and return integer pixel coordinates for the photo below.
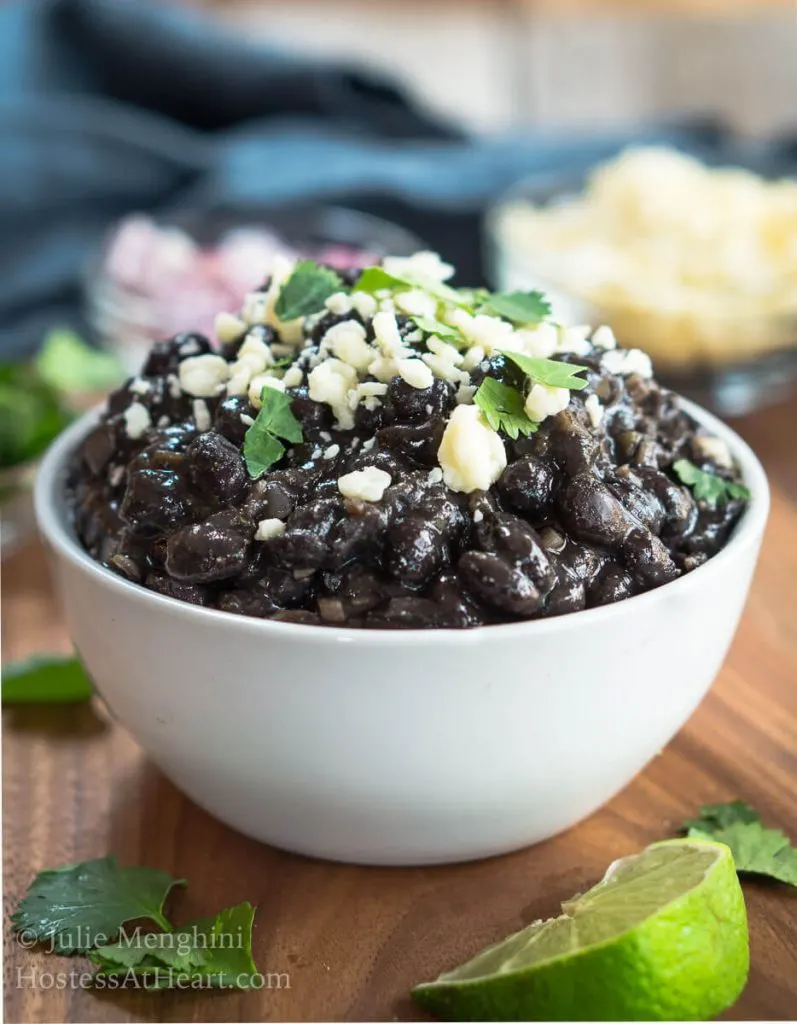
(349, 942)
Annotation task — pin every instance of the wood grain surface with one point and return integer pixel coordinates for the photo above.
(354, 940)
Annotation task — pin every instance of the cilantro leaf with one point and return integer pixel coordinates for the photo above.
(550, 372)
(718, 816)
(708, 487)
(503, 408)
(306, 290)
(83, 905)
(756, 849)
(67, 363)
(474, 298)
(45, 680)
(218, 949)
(275, 420)
(517, 307)
(276, 417)
(377, 279)
(431, 326)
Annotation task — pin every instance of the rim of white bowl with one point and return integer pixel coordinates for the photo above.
(51, 516)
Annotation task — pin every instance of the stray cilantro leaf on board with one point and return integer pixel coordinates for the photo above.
(306, 290)
(67, 363)
(708, 487)
(756, 849)
(718, 816)
(262, 445)
(503, 408)
(551, 372)
(518, 307)
(218, 949)
(82, 905)
(44, 679)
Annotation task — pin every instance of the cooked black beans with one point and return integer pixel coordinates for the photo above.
(583, 515)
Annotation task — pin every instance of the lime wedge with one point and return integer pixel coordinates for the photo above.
(663, 936)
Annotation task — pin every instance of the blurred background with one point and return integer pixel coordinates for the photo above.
(154, 157)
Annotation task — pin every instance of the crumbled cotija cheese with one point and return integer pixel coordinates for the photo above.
(544, 401)
(347, 341)
(137, 420)
(202, 415)
(471, 455)
(626, 361)
(203, 376)
(268, 528)
(139, 386)
(715, 448)
(263, 380)
(228, 327)
(330, 382)
(604, 337)
(415, 373)
(367, 484)
(594, 410)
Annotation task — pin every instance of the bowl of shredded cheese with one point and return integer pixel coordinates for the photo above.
(695, 264)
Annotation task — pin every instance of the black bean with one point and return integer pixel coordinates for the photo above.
(498, 584)
(648, 559)
(356, 538)
(268, 499)
(210, 551)
(228, 420)
(591, 512)
(417, 441)
(613, 584)
(98, 447)
(405, 613)
(298, 550)
(216, 467)
(254, 602)
(416, 550)
(569, 595)
(313, 416)
(641, 503)
(178, 589)
(527, 485)
(155, 500)
(405, 404)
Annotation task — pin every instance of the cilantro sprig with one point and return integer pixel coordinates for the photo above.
(520, 308)
(275, 421)
(503, 408)
(551, 372)
(756, 849)
(216, 950)
(45, 679)
(714, 490)
(76, 906)
(84, 908)
(306, 290)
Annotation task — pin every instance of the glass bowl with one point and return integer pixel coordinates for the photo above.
(156, 277)
(733, 362)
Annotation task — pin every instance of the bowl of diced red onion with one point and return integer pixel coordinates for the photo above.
(155, 277)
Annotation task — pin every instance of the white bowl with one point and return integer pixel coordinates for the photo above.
(406, 746)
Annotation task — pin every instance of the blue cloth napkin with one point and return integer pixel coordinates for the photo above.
(109, 106)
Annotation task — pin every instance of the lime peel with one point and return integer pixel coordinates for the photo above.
(663, 936)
